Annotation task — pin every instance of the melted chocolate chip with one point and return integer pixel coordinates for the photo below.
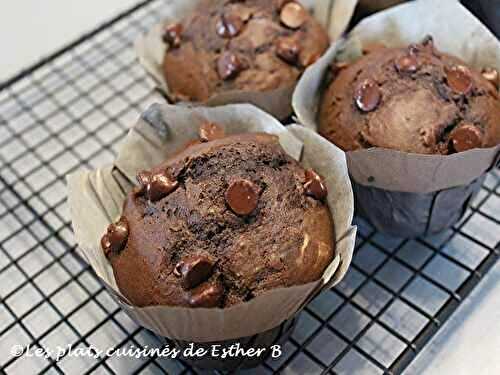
(459, 79)
(367, 95)
(242, 196)
(492, 76)
(106, 244)
(413, 49)
(407, 64)
(288, 50)
(466, 137)
(206, 295)
(314, 185)
(293, 15)
(229, 26)
(116, 237)
(159, 186)
(172, 35)
(143, 178)
(210, 131)
(194, 270)
(229, 65)
(428, 43)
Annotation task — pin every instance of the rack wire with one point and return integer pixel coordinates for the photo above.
(70, 111)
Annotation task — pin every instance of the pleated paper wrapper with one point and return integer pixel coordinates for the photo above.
(150, 49)
(401, 193)
(96, 198)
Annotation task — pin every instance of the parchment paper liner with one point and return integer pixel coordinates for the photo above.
(96, 197)
(376, 172)
(150, 49)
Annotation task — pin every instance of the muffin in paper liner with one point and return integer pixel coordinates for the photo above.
(96, 197)
(334, 15)
(412, 194)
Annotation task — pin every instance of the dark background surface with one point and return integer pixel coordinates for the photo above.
(488, 11)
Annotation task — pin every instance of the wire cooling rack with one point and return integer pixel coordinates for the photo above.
(70, 112)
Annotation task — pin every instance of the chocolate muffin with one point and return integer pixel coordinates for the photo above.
(250, 45)
(413, 99)
(221, 221)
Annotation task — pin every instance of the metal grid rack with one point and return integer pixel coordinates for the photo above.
(71, 111)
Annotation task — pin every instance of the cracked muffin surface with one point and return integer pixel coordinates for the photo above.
(414, 99)
(250, 45)
(220, 222)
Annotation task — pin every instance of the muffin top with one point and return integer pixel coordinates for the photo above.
(249, 45)
(223, 220)
(413, 99)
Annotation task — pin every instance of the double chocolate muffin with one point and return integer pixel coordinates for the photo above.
(413, 99)
(220, 222)
(248, 45)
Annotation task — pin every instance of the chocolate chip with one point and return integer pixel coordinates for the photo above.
(426, 45)
(367, 95)
(172, 35)
(116, 237)
(492, 76)
(428, 40)
(465, 137)
(229, 26)
(293, 15)
(314, 185)
(288, 50)
(229, 65)
(459, 79)
(206, 295)
(242, 196)
(194, 270)
(159, 186)
(210, 131)
(413, 49)
(143, 178)
(406, 64)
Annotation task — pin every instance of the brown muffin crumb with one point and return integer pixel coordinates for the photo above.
(251, 45)
(243, 218)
